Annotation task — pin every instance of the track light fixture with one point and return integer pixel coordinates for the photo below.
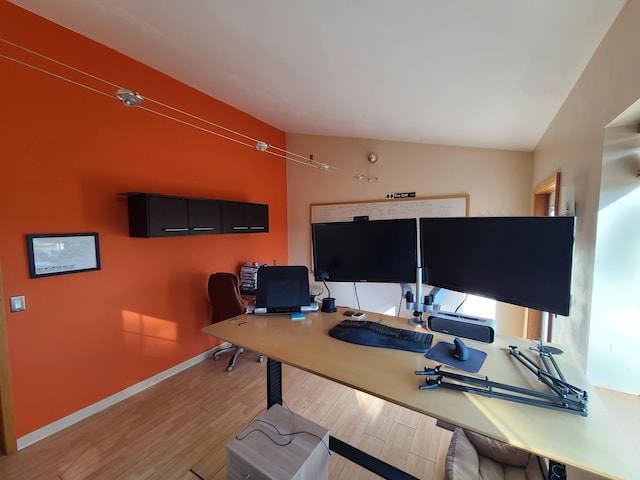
(128, 98)
(131, 99)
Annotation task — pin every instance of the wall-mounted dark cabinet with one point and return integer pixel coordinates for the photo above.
(204, 216)
(240, 217)
(153, 215)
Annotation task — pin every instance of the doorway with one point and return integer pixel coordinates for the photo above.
(545, 204)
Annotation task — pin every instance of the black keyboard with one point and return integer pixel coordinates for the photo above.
(374, 334)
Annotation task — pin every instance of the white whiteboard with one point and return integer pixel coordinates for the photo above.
(443, 206)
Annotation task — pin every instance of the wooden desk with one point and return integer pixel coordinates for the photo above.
(589, 443)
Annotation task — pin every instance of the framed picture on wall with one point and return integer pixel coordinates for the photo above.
(60, 253)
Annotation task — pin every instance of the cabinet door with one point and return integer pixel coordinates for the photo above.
(240, 217)
(257, 217)
(167, 216)
(157, 215)
(204, 216)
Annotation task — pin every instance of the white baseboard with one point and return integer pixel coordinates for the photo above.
(75, 417)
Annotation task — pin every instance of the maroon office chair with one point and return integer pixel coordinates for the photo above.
(226, 302)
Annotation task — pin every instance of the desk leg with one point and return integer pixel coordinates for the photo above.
(367, 461)
(274, 395)
(274, 383)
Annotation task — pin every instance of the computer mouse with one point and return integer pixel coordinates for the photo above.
(459, 350)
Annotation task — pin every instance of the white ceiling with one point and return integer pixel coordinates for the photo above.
(489, 73)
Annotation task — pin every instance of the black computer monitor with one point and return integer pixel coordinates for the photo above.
(519, 260)
(370, 251)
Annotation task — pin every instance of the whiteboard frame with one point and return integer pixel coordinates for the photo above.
(334, 212)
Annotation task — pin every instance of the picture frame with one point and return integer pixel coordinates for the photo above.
(62, 253)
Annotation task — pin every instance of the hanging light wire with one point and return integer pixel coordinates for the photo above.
(255, 143)
(55, 75)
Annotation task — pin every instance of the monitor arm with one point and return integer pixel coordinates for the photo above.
(433, 298)
(430, 303)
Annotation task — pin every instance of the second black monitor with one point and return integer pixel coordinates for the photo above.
(524, 261)
(370, 251)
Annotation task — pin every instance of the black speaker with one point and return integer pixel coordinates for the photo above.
(475, 328)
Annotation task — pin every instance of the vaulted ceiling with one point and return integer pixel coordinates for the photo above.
(489, 73)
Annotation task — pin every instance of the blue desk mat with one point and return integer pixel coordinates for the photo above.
(440, 353)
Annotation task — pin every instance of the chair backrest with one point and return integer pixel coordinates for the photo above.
(224, 295)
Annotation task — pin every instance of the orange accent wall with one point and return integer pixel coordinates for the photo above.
(66, 153)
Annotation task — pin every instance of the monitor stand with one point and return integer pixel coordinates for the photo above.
(542, 348)
(544, 336)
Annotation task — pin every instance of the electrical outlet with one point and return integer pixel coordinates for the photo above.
(17, 303)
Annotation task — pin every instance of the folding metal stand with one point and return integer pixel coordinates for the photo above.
(564, 396)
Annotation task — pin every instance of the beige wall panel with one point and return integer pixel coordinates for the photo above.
(498, 182)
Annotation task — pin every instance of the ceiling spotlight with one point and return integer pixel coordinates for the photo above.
(359, 177)
(373, 157)
(129, 98)
(262, 146)
(324, 167)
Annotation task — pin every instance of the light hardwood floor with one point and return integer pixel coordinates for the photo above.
(179, 428)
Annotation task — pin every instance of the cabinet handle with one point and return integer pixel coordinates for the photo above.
(257, 228)
(175, 229)
(241, 228)
(203, 229)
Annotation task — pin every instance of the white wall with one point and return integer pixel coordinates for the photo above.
(573, 144)
(498, 182)
(615, 328)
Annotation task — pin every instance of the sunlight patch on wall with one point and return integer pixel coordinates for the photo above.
(614, 330)
(148, 335)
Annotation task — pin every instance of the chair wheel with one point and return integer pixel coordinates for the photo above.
(229, 368)
(215, 356)
(260, 359)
